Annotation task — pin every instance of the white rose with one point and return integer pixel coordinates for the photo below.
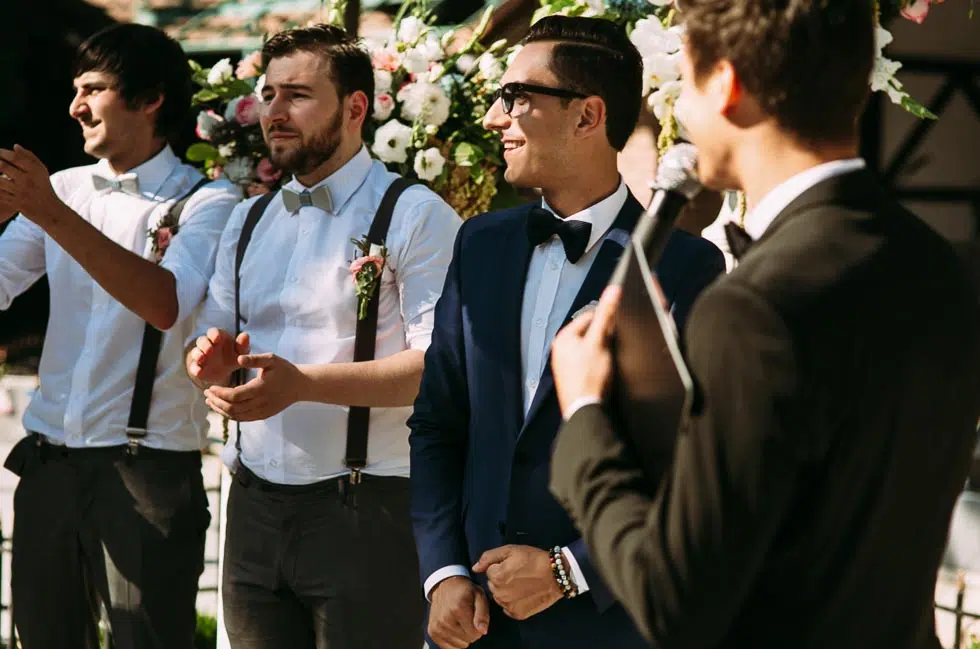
(383, 105)
(490, 66)
(415, 61)
(425, 101)
(221, 72)
(391, 142)
(382, 81)
(436, 72)
(465, 63)
(429, 164)
(410, 29)
(239, 170)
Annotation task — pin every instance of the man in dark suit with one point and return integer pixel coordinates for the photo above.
(838, 367)
(486, 415)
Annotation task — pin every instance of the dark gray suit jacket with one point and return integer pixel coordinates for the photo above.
(808, 504)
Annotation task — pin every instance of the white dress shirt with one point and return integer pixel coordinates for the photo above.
(550, 288)
(88, 365)
(298, 302)
(759, 220)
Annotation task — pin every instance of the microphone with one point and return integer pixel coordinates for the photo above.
(677, 183)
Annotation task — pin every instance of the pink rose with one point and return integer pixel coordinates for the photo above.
(916, 10)
(386, 59)
(250, 66)
(164, 235)
(247, 110)
(359, 263)
(267, 172)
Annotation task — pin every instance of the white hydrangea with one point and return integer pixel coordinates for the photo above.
(884, 70)
(425, 101)
(382, 81)
(391, 142)
(415, 62)
(221, 72)
(651, 37)
(429, 164)
(226, 151)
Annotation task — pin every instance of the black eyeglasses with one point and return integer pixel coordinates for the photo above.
(509, 92)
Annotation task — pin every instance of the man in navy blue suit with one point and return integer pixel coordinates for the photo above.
(503, 565)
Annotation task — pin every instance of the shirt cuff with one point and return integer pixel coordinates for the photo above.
(580, 403)
(578, 577)
(442, 574)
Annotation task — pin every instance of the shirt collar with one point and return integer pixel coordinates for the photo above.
(779, 198)
(342, 183)
(601, 215)
(151, 174)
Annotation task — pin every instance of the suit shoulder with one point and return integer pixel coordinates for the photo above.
(505, 218)
(690, 249)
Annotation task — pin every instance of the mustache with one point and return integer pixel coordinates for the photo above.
(273, 130)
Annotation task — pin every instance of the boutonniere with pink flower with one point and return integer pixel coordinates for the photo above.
(161, 236)
(366, 272)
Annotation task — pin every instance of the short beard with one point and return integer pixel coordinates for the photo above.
(311, 153)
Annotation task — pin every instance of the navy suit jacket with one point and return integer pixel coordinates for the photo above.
(479, 467)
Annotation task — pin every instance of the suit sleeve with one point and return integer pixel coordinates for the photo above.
(709, 264)
(683, 560)
(438, 435)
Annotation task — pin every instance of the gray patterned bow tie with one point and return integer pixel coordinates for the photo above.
(319, 197)
(126, 183)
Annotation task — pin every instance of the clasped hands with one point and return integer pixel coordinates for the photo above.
(520, 580)
(216, 355)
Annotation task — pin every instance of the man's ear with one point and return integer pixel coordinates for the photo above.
(151, 104)
(591, 117)
(725, 87)
(358, 108)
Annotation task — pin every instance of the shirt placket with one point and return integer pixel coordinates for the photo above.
(288, 345)
(538, 326)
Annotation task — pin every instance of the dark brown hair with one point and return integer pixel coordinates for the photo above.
(350, 65)
(595, 57)
(146, 64)
(807, 62)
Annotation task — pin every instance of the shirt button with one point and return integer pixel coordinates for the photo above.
(533, 383)
(274, 463)
(539, 322)
(293, 280)
(554, 265)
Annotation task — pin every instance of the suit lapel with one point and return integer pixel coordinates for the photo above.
(509, 263)
(610, 250)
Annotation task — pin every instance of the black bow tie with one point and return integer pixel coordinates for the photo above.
(739, 241)
(574, 235)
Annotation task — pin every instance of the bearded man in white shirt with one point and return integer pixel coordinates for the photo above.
(319, 549)
(111, 504)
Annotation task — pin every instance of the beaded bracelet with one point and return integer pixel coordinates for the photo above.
(568, 589)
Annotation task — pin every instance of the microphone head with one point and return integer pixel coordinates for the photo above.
(678, 170)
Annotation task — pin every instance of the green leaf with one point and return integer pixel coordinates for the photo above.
(478, 174)
(467, 154)
(206, 95)
(201, 151)
(195, 66)
(917, 109)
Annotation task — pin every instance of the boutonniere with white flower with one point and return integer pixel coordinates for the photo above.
(161, 235)
(366, 272)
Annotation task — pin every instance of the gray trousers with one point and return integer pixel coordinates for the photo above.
(96, 525)
(324, 566)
